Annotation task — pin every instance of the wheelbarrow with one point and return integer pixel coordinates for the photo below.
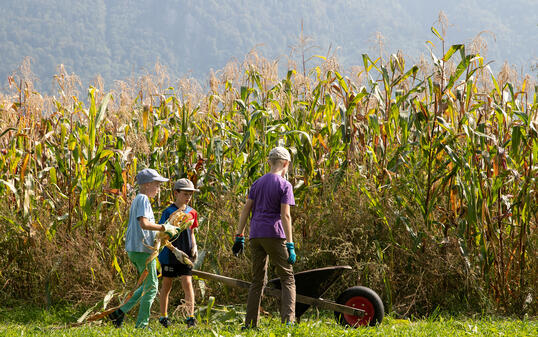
(356, 306)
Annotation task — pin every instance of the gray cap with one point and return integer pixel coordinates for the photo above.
(185, 184)
(149, 175)
(279, 153)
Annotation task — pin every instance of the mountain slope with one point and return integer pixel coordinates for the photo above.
(120, 38)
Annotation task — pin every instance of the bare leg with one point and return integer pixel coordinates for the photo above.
(165, 292)
(186, 284)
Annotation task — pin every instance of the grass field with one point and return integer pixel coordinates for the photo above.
(22, 321)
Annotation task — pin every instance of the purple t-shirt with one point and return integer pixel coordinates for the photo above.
(268, 192)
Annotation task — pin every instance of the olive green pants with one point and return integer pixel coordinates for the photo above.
(264, 249)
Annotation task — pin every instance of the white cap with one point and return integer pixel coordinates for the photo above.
(279, 152)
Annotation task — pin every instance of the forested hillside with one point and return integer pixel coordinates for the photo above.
(120, 38)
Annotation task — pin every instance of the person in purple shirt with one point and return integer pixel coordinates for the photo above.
(269, 202)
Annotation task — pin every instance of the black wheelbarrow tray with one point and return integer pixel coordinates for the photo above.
(356, 306)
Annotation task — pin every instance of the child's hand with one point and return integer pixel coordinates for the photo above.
(291, 251)
(170, 230)
(180, 255)
(239, 244)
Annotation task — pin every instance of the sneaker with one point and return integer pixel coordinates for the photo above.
(165, 321)
(191, 322)
(249, 327)
(144, 327)
(117, 318)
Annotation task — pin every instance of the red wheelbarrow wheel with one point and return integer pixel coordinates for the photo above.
(361, 298)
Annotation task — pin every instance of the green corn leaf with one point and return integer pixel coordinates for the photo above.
(342, 83)
(244, 93)
(523, 116)
(413, 71)
(434, 31)
(118, 268)
(6, 131)
(462, 66)
(516, 141)
(241, 104)
(451, 51)
(52, 175)
(101, 114)
(495, 83)
(367, 60)
(386, 79)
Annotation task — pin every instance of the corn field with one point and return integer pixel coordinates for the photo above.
(422, 177)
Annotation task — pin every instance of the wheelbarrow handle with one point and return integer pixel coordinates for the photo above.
(224, 279)
(318, 302)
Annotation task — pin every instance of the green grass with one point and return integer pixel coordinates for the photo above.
(24, 321)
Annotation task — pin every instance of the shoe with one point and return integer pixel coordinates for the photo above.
(165, 321)
(117, 318)
(248, 327)
(191, 322)
(145, 328)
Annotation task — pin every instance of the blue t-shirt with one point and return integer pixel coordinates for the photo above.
(136, 237)
(183, 241)
(268, 193)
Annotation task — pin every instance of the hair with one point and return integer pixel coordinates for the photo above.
(274, 162)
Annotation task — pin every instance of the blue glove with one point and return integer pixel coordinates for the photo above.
(239, 244)
(291, 252)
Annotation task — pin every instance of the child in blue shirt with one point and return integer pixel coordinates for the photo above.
(186, 243)
(140, 236)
